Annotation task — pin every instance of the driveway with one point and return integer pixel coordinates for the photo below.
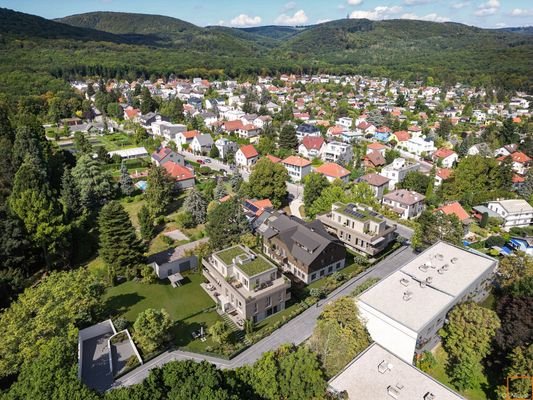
(295, 331)
(295, 207)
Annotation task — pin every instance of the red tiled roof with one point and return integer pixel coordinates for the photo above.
(375, 158)
(249, 151)
(231, 126)
(177, 171)
(364, 125)
(272, 158)
(261, 205)
(443, 152)
(132, 112)
(375, 179)
(414, 128)
(335, 130)
(456, 209)
(376, 146)
(297, 161)
(333, 170)
(191, 134)
(402, 136)
(520, 157)
(444, 173)
(312, 142)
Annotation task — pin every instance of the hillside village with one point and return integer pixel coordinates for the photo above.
(228, 218)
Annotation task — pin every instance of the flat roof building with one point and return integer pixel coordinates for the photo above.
(378, 374)
(404, 311)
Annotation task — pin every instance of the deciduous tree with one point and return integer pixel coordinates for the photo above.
(159, 192)
(314, 184)
(435, 226)
(152, 329)
(268, 181)
(225, 224)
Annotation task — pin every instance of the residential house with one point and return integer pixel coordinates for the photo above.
(454, 208)
(345, 122)
(225, 147)
(520, 162)
(184, 139)
(183, 176)
(245, 285)
(208, 117)
(524, 244)
(445, 157)
(333, 171)
(273, 159)
(407, 204)
(201, 144)
(132, 114)
(366, 128)
(401, 137)
(297, 167)
(246, 156)
(377, 182)
(420, 146)
(248, 131)
(232, 126)
(374, 159)
(515, 213)
(482, 149)
(404, 311)
(397, 170)
(146, 120)
(167, 129)
(376, 147)
(442, 175)
(415, 131)
(304, 130)
(506, 150)
(378, 374)
(311, 146)
(164, 154)
(306, 250)
(173, 260)
(382, 134)
(338, 152)
(359, 227)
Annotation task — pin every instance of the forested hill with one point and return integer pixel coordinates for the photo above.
(125, 45)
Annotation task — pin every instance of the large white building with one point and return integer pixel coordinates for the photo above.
(513, 212)
(338, 152)
(397, 170)
(418, 146)
(378, 374)
(404, 311)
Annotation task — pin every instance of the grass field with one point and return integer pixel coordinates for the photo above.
(131, 298)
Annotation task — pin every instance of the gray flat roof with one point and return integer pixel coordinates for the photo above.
(514, 205)
(447, 271)
(362, 379)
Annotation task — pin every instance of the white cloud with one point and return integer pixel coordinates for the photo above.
(460, 5)
(245, 20)
(501, 25)
(291, 5)
(321, 21)
(379, 12)
(298, 18)
(354, 2)
(488, 8)
(416, 2)
(429, 17)
(522, 12)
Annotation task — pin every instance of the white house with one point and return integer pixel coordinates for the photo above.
(345, 122)
(337, 152)
(297, 167)
(201, 144)
(185, 138)
(419, 145)
(446, 157)
(407, 204)
(167, 129)
(246, 156)
(397, 170)
(225, 146)
(304, 130)
(311, 147)
(514, 213)
(404, 311)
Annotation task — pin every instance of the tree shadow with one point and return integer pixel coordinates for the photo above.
(121, 303)
(182, 332)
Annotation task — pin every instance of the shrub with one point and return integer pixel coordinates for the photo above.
(185, 220)
(168, 240)
(148, 274)
(121, 324)
(495, 241)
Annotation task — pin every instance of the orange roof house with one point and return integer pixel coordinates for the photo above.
(249, 151)
(296, 161)
(333, 171)
(456, 209)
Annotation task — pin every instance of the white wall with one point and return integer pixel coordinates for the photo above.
(395, 337)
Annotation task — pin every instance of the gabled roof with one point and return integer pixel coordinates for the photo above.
(231, 126)
(405, 197)
(161, 154)
(297, 161)
(443, 153)
(313, 142)
(272, 158)
(520, 157)
(332, 170)
(444, 173)
(456, 209)
(177, 171)
(375, 158)
(190, 134)
(374, 179)
(414, 128)
(402, 136)
(376, 146)
(249, 151)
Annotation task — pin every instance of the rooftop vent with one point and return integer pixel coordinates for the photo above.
(393, 391)
(439, 256)
(429, 396)
(407, 295)
(445, 267)
(440, 271)
(404, 281)
(423, 284)
(429, 279)
(454, 260)
(384, 366)
(423, 268)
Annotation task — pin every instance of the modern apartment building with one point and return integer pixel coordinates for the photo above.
(245, 284)
(513, 212)
(406, 203)
(337, 152)
(359, 227)
(404, 311)
(397, 170)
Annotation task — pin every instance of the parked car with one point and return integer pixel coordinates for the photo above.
(208, 160)
(200, 161)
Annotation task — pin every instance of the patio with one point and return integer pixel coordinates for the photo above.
(220, 299)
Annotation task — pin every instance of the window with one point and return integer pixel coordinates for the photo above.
(338, 265)
(268, 301)
(313, 277)
(330, 269)
(322, 272)
(255, 308)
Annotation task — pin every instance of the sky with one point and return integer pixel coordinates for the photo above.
(245, 13)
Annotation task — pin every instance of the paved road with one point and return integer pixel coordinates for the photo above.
(295, 331)
(295, 207)
(212, 163)
(402, 230)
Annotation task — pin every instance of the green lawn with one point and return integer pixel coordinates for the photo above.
(133, 208)
(130, 298)
(183, 331)
(439, 373)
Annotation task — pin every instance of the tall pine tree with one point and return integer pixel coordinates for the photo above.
(126, 183)
(287, 137)
(196, 205)
(159, 191)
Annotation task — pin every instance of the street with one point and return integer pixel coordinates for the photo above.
(295, 331)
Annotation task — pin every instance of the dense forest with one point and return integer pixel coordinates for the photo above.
(39, 54)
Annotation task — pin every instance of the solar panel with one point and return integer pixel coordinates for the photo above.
(251, 207)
